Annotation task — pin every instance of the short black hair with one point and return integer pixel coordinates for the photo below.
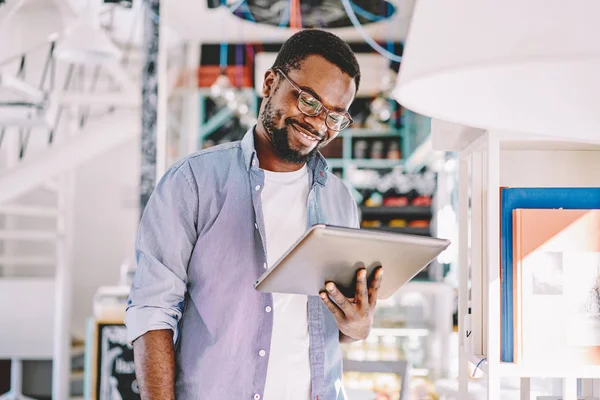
(317, 42)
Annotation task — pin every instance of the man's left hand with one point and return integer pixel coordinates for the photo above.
(354, 316)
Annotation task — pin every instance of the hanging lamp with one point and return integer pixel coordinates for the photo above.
(524, 66)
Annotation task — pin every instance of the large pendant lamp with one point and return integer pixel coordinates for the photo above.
(519, 65)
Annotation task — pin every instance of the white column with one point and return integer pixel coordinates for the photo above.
(61, 364)
(16, 377)
(11, 154)
(525, 389)
(463, 284)
(477, 252)
(587, 388)
(596, 387)
(492, 267)
(569, 389)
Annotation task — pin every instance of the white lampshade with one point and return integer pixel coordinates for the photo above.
(519, 65)
(83, 43)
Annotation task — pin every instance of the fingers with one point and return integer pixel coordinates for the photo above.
(362, 294)
(335, 310)
(337, 296)
(374, 286)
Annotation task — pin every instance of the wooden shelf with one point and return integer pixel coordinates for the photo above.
(395, 212)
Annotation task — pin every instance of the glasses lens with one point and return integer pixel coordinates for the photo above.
(309, 105)
(337, 122)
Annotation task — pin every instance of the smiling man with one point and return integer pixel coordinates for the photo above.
(220, 217)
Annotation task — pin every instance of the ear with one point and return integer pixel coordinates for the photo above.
(268, 83)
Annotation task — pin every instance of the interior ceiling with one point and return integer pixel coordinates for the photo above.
(314, 13)
(193, 20)
(188, 20)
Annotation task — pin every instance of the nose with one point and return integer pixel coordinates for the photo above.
(318, 124)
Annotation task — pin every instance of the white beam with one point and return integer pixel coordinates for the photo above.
(121, 99)
(21, 88)
(28, 211)
(19, 117)
(39, 261)
(50, 186)
(96, 138)
(30, 236)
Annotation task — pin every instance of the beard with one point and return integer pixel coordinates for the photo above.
(280, 139)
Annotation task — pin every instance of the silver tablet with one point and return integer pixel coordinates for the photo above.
(333, 254)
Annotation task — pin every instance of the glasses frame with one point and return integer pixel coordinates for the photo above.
(323, 108)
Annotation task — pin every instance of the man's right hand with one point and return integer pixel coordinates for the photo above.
(154, 358)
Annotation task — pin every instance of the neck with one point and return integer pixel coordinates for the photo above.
(267, 157)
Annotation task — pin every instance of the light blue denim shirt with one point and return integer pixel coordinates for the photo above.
(200, 249)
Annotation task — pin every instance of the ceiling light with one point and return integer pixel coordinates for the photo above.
(220, 88)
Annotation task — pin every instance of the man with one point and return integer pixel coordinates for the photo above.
(220, 217)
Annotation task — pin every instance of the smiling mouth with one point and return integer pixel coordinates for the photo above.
(307, 134)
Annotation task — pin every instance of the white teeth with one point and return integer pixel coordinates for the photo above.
(308, 137)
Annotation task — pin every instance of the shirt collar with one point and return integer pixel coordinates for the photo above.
(316, 164)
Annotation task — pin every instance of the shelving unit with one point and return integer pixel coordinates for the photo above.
(487, 161)
(414, 130)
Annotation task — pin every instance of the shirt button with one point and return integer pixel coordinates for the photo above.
(257, 187)
(256, 225)
(265, 265)
(257, 396)
(262, 353)
(268, 308)
(253, 162)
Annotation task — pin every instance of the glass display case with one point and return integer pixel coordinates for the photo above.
(408, 348)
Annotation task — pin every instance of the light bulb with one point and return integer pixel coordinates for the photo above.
(219, 87)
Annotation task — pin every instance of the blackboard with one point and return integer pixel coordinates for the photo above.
(115, 374)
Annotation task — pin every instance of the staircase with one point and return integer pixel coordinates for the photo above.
(76, 113)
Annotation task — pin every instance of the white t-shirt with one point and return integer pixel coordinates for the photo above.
(284, 199)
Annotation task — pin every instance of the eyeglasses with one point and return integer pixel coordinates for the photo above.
(313, 107)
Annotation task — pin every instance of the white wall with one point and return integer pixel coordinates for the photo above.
(106, 221)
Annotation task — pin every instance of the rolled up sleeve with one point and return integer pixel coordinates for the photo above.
(166, 238)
